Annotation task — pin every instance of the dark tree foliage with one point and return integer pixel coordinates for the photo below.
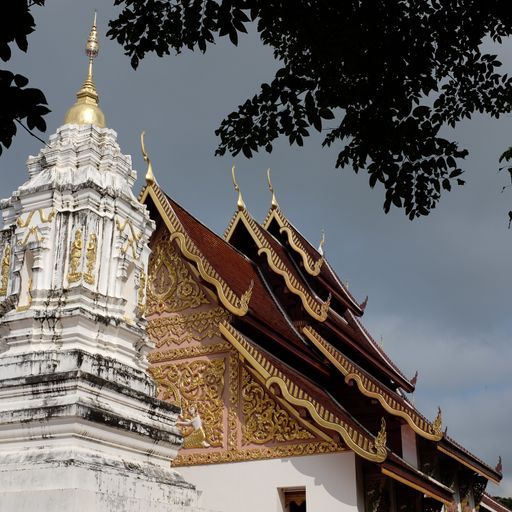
(380, 78)
(17, 102)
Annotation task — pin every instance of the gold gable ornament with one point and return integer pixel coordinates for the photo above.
(264, 419)
(171, 287)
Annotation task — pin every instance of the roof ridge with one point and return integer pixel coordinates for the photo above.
(316, 308)
(379, 349)
(236, 305)
(465, 451)
(368, 385)
(312, 266)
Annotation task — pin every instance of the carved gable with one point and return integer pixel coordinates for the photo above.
(227, 413)
(171, 287)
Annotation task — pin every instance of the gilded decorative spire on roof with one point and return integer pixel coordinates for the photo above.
(86, 109)
(437, 424)
(271, 188)
(499, 466)
(240, 202)
(150, 177)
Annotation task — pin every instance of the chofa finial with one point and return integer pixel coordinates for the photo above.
(150, 177)
(499, 466)
(437, 424)
(271, 188)
(240, 202)
(321, 244)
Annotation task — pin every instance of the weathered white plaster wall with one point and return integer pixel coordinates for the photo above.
(330, 482)
(80, 427)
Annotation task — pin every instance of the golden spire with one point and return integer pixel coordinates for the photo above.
(240, 202)
(86, 109)
(275, 204)
(150, 177)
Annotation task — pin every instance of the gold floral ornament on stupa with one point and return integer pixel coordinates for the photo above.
(86, 109)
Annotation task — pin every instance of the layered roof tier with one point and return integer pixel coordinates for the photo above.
(300, 332)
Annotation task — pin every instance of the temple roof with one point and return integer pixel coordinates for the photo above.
(296, 358)
(313, 262)
(452, 449)
(369, 386)
(280, 262)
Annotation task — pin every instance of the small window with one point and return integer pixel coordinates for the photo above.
(294, 499)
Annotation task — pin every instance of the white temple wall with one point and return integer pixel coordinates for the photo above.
(329, 479)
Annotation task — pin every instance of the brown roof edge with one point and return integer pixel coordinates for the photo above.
(280, 263)
(369, 386)
(457, 452)
(490, 503)
(399, 470)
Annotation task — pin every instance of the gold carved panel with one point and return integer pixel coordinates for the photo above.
(264, 419)
(196, 384)
(181, 329)
(171, 287)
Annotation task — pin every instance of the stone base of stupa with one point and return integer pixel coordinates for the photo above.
(81, 432)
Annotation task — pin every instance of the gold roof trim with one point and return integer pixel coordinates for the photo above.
(237, 305)
(314, 306)
(369, 388)
(312, 267)
(364, 446)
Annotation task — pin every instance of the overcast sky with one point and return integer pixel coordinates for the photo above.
(439, 287)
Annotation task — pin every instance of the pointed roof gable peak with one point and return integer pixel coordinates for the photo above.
(314, 263)
(280, 263)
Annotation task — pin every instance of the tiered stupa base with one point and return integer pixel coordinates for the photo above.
(81, 432)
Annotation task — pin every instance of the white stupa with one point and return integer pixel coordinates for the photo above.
(80, 427)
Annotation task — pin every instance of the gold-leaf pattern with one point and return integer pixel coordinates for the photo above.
(264, 419)
(180, 329)
(198, 383)
(171, 287)
(260, 453)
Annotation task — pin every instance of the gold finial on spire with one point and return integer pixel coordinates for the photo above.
(240, 202)
(86, 109)
(321, 244)
(275, 204)
(150, 177)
